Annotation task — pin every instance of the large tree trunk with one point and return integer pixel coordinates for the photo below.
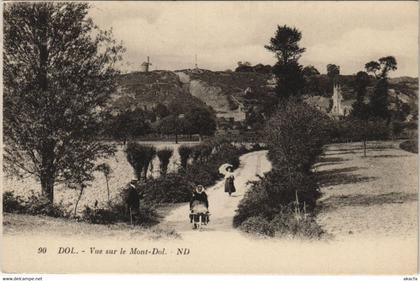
(47, 174)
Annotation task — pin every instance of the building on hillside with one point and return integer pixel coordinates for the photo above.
(340, 108)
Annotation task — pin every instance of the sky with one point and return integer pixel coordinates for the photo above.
(348, 34)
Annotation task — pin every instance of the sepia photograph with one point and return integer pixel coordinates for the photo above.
(231, 137)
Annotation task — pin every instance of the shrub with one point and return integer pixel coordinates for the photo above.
(172, 188)
(139, 156)
(286, 224)
(258, 225)
(34, 205)
(296, 135)
(275, 192)
(147, 215)
(206, 172)
(12, 203)
(410, 146)
(99, 216)
(164, 156)
(40, 205)
(184, 153)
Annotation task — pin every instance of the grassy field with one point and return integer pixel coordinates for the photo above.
(122, 174)
(370, 196)
(18, 224)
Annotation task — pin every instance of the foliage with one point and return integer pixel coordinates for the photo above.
(139, 156)
(172, 188)
(12, 203)
(172, 125)
(184, 153)
(147, 215)
(295, 136)
(164, 156)
(201, 121)
(128, 124)
(310, 70)
(59, 71)
(379, 102)
(290, 80)
(354, 129)
(288, 72)
(161, 110)
(33, 205)
(333, 71)
(276, 191)
(258, 225)
(286, 224)
(285, 44)
(410, 146)
(360, 108)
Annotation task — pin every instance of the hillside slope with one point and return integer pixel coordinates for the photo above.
(228, 92)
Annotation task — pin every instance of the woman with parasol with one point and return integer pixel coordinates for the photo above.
(227, 171)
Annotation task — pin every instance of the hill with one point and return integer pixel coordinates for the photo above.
(231, 94)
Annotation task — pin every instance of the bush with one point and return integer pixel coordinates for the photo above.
(184, 153)
(275, 192)
(286, 224)
(410, 146)
(34, 205)
(147, 215)
(100, 216)
(139, 156)
(40, 205)
(295, 137)
(354, 130)
(164, 156)
(172, 188)
(258, 225)
(206, 172)
(12, 203)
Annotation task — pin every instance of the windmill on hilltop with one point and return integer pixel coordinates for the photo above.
(145, 65)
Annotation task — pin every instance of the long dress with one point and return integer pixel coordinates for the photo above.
(229, 183)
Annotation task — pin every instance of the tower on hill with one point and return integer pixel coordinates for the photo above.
(145, 65)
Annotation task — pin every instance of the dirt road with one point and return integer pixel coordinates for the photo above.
(221, 206)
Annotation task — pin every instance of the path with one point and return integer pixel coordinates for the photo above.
(221, 206)
(368, 197)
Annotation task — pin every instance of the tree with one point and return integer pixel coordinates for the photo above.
(309, 71)
(290, 80)
(360, 108)
(128, 124)
(161, 110)
(333, 71)
(164, 156)
(184, 153)
(285, 46)
(379, 101)
(139, 156)
(59, 72)
(172, 125)
(201, 121)
(106, 170)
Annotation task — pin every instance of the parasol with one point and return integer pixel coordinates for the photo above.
(222, 169)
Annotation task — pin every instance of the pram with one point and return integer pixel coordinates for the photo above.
(199, 214)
